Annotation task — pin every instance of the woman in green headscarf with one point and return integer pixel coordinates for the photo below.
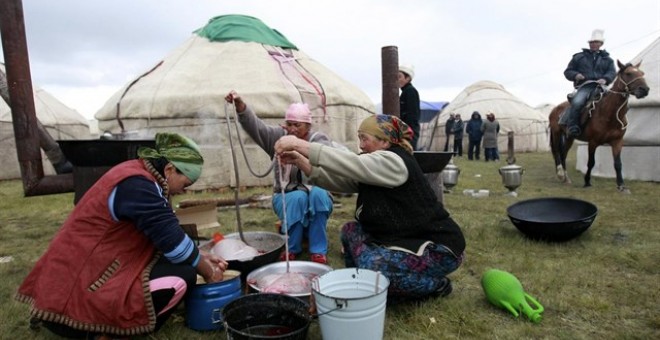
(401, 229)
(121, 263)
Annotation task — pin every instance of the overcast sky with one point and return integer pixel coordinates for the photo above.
(84, 51)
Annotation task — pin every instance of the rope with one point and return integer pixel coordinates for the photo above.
(240, 142)
(233, 157)
(284, 172)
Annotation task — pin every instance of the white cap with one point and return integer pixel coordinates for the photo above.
(597, 35)
(408, 69)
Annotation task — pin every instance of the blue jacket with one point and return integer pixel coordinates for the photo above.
(473, 128)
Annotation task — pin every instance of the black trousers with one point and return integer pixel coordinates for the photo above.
(474, 148)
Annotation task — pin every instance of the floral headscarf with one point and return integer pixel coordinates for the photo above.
(389, 128)
(181, 151)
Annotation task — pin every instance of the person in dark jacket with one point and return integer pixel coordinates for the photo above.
(473, 129)
(458, 130)
(449, 126)
(587, 70)
(409, 101)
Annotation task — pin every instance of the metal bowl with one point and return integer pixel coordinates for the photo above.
(270, 245)
(303, 267)
(554, 219)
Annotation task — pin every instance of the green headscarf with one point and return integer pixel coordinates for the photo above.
(181, 151)
(388, 128)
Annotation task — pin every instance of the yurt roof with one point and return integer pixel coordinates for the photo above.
(488, 96)
(50, 111)
(233, 52)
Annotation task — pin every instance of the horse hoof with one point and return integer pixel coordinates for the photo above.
(623, 190)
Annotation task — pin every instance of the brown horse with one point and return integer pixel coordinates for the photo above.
(606, 123)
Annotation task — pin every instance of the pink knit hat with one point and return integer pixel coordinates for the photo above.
(298, 112)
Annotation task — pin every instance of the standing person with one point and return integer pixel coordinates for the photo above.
(307, 207)
(409, 101)
(121, 263)
(449, 128)
(457, 130)
(473, 129)
(490, 129)
(401, 229)
(587, 70)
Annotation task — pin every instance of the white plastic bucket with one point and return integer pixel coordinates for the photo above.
(351, 303)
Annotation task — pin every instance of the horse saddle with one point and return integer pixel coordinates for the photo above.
(594, 96)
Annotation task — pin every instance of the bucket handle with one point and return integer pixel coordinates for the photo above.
(216, 316)
(339, 303)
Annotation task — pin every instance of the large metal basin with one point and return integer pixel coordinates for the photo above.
(93, 158)
(309, 269)
(552, 219)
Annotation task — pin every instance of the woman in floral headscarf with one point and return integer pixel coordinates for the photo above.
(121, 263)
(401, 229)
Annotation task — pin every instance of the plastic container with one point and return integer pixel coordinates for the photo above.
(205, 301)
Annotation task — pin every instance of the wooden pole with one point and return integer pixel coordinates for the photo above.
(390, 73)
(19, 83)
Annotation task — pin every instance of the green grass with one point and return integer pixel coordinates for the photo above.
(602, 285)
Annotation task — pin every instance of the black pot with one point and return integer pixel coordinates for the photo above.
(554, 219)
(267, 316)
(269, 244)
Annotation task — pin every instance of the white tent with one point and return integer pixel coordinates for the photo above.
(528, 124)
(61, 122)
(641, 152)
(185, 93)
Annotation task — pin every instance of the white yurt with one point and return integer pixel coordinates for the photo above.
(185, 93)
(528, 124)
(641, 143)
(61, 122)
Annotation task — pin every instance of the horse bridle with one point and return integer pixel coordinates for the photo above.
(626, 85)
(626, 94)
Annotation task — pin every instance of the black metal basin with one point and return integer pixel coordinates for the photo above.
(100, 152)
(554, 219)
(269, 244)
(432, 161)
(92, 158)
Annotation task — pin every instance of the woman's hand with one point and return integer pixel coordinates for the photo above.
(292, 143)
(233, 97)
(211, 267)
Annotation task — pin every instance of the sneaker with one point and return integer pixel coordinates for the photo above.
(319, 258)
(292, 256)
(444, 289)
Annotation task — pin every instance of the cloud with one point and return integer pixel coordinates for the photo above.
(82, 46)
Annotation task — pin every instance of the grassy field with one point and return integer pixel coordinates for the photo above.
(602, 285)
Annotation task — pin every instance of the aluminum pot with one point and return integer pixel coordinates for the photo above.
(511, 176)
(309, 269)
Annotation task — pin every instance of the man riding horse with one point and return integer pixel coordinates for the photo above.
(587, 70)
